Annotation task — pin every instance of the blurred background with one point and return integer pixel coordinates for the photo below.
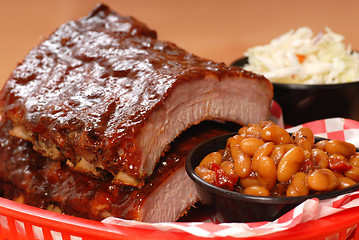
(221, 30)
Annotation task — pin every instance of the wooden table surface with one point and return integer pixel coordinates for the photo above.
(220, 30)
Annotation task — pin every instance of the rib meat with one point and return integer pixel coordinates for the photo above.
(28, 177)
(105, 95)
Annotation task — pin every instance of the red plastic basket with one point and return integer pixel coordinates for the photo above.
(20, 221)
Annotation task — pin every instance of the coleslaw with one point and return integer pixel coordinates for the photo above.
(299, 56)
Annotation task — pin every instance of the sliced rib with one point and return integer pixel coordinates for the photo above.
(29, 178)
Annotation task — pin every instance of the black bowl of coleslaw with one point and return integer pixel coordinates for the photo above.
(308, 102)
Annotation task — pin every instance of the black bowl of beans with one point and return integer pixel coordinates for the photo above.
(261, 172)
(308, 102)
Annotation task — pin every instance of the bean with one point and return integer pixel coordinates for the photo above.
(297, 186)
(321, 144)
(235, 151)
(305, 134)
(206, 174)
(340, 147)
(214, 157)
(304, 143)
(322, 180)
(227, 167)
(257, 191)
(249, 181)
(288, 147)
(354, 160)
(320, 158)
(267, 172)
(234, 144)
(242, 165)
(275, 134)
(264, 150)
(353, 174)
(278, 152)
(307, 154)
(344, 182)
(242, 131)
(253, 130)
(289, 164)
(250, 145)
(234, 141)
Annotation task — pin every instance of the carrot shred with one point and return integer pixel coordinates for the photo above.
(301, 58)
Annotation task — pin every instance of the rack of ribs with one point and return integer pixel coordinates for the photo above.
(104, 95)
(28, 177)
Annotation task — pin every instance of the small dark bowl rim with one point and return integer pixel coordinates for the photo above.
(256, 199)
(299, 86)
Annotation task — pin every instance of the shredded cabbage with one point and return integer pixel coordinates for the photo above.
(300, 57)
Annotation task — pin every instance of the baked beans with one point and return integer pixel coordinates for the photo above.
(265, 160)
